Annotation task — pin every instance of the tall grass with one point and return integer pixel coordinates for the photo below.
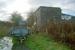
(63, 31)
(39, 41)
(4, 28)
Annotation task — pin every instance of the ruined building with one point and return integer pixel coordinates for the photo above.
(45, 15)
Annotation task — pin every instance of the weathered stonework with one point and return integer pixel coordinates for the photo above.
(44, 15)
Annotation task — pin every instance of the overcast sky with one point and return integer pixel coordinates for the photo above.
(67, 6)
(24, 6)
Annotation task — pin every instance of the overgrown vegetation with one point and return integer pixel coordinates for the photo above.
(41, 41)
(63, 32)
(4, 28)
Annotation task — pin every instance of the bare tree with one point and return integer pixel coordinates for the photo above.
(30, 20)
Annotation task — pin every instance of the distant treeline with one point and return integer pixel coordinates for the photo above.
(4, 28)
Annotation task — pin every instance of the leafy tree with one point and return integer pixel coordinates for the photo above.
(16, 18)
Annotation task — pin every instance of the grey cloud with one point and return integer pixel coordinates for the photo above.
(70, 1)
(3, 4)
(45, 2)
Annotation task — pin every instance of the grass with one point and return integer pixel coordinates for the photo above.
(39, 41)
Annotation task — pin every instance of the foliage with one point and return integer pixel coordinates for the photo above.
(16, 18)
